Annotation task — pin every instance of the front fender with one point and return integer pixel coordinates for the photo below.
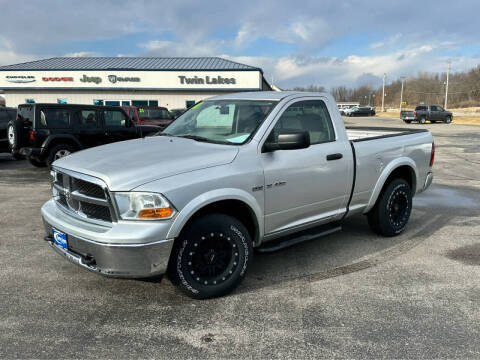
(394, 164)
(213, 196)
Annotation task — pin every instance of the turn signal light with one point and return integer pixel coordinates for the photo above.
(155, 213)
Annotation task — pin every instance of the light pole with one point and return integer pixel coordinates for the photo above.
(383, 92)
(401, 93)
(446, 87)
(369, 96)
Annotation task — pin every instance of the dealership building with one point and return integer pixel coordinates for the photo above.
(124, 81)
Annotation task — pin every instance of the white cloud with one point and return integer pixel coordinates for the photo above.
(173, 48)
(82, 54)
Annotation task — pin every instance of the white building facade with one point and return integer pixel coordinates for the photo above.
(122, 81)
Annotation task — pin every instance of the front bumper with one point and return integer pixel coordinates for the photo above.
(139, 259)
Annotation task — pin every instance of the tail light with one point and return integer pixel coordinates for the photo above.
(432, 155)
(33, 135)
(415, 113)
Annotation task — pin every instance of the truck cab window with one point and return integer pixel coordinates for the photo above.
(114, 118)
(311, 116)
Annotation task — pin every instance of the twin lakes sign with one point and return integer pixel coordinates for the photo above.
(208, 80)
(147, 80)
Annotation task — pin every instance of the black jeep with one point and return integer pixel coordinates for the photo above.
(47, 132)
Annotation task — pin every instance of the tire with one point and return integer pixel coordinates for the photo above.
(15, 134)
(211, 256)
(58, 152)
(408, 121)
(422, 120)
(448, 120)
(36, 163)
(390, 215)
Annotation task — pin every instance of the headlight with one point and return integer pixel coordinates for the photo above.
(143, 206)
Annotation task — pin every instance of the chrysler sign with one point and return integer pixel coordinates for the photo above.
(20, 79)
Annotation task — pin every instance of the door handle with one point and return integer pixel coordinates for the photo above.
(334, 156)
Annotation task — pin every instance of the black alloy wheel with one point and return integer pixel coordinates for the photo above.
(211, 256)
(389, 216)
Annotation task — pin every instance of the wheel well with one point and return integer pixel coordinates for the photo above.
(235, 208)
(59, 141)
(403, 172)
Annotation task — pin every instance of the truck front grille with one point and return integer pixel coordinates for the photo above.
(82, 198)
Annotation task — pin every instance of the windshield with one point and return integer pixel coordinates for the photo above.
(221, 121)
(153, 113)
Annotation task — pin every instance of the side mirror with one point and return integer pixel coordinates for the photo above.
(289, 141)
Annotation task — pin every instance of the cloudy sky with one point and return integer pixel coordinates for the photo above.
(322, 42)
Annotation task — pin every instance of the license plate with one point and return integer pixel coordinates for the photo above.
(60, 238)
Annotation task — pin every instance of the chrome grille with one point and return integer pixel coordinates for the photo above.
(81, 197)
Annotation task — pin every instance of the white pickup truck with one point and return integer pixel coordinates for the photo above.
(241, 171)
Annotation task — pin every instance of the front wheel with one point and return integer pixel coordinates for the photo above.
(390, 215)
(211, 256)
(408, 121)
(448, 120)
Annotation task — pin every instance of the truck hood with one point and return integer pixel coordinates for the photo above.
(126, 165)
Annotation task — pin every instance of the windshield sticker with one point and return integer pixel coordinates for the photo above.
(196, 106)
(238, 139)
(141, 110)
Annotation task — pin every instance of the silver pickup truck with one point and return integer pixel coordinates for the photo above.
(251, 170)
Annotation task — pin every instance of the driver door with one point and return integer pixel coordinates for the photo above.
(305, 186)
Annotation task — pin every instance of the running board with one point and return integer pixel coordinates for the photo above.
(300, 237)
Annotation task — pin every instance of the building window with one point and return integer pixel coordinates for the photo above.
(139, 103)
(97, 102)
(189, 103)
(29, 101)
(153, 103)
(61, 101)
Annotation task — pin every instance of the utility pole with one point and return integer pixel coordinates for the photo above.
(383, 92)
(401, 93)
(446, 86)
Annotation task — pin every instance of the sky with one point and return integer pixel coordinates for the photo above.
(296, 43)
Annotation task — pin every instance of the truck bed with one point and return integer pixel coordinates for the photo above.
(360, 133)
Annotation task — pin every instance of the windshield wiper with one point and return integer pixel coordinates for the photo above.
(201, 138)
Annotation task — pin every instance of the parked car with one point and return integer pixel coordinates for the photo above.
(175, 113)
(424, 113)
(242, 171)
(360, 111)
(47, 132)
(7, 114)
(149, 115)
(342, 109)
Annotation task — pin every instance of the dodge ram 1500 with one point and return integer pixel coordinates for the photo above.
(251, 170)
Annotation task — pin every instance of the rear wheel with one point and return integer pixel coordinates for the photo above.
(408, 121)
(423, 120)
(36, 162)
(390, 215)
(211, 256)
(58, 152)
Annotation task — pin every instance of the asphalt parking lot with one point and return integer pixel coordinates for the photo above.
(352, 294)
